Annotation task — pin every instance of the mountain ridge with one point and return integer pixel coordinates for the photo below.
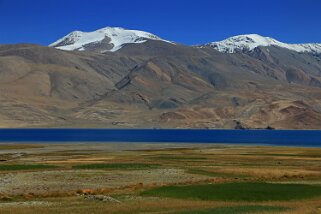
(248, 42)
(157, 84)
(81, 41)
(114, 38)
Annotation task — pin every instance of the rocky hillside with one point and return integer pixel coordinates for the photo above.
(147, 82)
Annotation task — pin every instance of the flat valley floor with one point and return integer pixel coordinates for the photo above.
(158, 178)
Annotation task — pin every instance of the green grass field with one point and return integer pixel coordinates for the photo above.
(238, 210)
(181, 157)
(214, 174)
(25, 167)
(252, 192)
(158, 179)
(117, 166)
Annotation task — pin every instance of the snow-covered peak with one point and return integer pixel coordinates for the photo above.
(103, 40)
(251, 41)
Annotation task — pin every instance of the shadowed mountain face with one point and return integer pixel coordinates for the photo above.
(157, 84)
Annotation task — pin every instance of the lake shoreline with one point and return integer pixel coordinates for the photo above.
(292, 138)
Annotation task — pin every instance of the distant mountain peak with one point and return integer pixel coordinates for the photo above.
(249, 42)
(111, 39)
(103, 40)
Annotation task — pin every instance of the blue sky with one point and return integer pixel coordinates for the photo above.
(188, 22)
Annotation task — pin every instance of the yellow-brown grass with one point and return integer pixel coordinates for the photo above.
(263, 164)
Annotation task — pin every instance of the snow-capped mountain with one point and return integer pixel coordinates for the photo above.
(111, 39)
(103, 40)
(251, 41)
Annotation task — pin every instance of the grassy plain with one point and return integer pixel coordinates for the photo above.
(159, 178)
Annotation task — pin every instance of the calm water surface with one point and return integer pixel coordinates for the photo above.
(271, 137)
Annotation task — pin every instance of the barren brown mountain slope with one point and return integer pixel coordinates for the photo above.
(159, 85)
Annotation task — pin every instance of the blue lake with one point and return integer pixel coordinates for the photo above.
(270, 137)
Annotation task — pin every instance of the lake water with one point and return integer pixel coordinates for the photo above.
(270, 137)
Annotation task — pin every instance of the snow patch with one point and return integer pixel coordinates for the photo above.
(251, 41)
(77, 40)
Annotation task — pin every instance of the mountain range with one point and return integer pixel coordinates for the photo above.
(121, 78)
